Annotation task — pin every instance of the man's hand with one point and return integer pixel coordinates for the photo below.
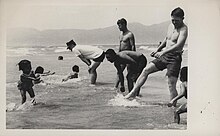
(158, 54)
(122, 89)
(153, 53)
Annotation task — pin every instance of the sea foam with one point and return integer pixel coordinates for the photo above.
(119, 100)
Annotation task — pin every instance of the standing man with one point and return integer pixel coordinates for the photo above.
(170, 57)
(87, 53)
(135, 62)
(127, 42)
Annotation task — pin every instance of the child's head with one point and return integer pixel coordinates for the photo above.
(75, 68)
(39, 70)
(183, 74)
(25, 66)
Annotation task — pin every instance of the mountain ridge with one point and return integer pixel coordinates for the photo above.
(108, 35)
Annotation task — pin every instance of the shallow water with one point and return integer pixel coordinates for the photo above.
(76, 105)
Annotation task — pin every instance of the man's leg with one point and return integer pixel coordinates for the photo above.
(93, 73)
(172, 87)
(150, 68)
(129, 79)
(23, 96)
(180, 110)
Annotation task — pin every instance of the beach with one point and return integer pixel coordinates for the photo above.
(77, 105)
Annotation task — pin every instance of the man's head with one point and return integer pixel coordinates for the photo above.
(122, 24)
(25, 66)
(110, 55)
(70, 45)
(177, 16)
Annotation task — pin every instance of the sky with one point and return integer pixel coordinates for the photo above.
(86, 14)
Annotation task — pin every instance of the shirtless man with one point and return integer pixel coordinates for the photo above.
(170, 57)
(127, 42)
(135, 62)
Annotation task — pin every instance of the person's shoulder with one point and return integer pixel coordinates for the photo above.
(184, 27)
(170, 26)
(130, 34)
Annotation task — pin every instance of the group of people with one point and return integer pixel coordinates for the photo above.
(168, 56)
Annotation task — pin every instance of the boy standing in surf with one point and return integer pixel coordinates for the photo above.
(170, 57)
(127, 42)
(183, 93)
(25, 84)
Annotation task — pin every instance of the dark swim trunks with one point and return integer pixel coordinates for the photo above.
(100, 58)
(171, 61)
(136, 70)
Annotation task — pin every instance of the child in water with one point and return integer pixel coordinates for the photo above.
(183, 89)
(40, 72)
(72, 75)
(25, 84)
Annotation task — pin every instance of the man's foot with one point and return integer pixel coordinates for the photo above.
(169, 104)
(33, 101)
(130, 95)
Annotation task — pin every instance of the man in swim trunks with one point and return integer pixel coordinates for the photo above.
(135, 62)
(170, 57)
(127, 42)
(87, 53)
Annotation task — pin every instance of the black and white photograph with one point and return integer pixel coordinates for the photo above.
(109, 66)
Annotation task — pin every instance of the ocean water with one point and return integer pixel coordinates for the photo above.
(76, 105)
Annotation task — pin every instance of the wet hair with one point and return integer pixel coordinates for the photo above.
(122, 21)
(183, 74)
(39, 70)
(75, 68)
(178, 12)
(110, 52)
(24, 64)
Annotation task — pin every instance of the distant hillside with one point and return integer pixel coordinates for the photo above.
(109, 35)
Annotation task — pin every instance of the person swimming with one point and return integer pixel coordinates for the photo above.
(74, 74)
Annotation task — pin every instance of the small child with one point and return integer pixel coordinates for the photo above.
(25, 83)
(40, 72)
(72, 75)
(183, 89)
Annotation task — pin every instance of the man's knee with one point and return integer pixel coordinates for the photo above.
(150, 68)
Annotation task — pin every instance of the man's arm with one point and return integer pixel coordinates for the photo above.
(120, 73)
(85, 60)
(67, 78)
(132, 42)
(159, 48)
(162, 45)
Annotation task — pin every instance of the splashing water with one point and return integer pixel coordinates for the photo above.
(119, 100)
